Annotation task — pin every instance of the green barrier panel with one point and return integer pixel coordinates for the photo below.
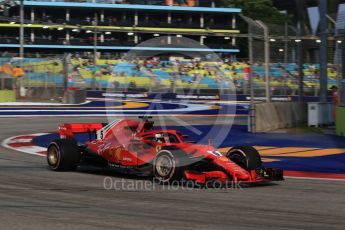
(340, 124)
(7, 96)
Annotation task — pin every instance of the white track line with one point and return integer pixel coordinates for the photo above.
(14, 141)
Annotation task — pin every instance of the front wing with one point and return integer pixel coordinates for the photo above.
(268, 175)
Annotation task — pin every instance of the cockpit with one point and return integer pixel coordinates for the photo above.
(163, 137)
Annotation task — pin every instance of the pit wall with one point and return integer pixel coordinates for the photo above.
(278, 115)
(7, 95)
(340, 122)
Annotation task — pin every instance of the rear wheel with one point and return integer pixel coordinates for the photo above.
(245, 156)
(63, 155)
(169, 166)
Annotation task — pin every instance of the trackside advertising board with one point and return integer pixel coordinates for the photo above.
(187, 97)
(160, 96)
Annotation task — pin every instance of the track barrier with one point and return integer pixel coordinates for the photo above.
(42, 94)
(277, 115)
(74, 96)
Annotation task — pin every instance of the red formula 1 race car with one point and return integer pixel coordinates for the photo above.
(135, 147)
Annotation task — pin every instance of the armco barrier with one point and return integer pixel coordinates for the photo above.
(277, 115)
(7, 95)
(340, 123)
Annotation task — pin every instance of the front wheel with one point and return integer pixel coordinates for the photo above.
(245, 156)
(63, 155)
(169, 166)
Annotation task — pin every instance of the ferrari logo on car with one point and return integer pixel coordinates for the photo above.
(158, 148)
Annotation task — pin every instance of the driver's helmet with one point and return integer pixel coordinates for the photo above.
(161, 137)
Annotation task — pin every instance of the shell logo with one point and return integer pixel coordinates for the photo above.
(223, 158)
(118, 154)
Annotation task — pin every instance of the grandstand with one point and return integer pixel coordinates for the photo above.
(155, 74)
(62, 26)
(110, 28)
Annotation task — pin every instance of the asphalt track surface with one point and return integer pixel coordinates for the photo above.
(32, 197)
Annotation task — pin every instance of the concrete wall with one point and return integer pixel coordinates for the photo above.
(74, 96)
(7, 95)
(55, 94)
(44, 94)
(340, 123)
(278, 115)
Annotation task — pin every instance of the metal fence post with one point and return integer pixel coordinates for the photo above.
(286, 45)
(251, 24)
(65, 71)
(267, 61)
(300, 70)
(251, 82)
(341, 61)
(323, 50)
(46, 76)
(251, 63)
(95, 37)
(2, 82)
(21, 30)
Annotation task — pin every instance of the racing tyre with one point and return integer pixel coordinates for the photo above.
(169, 166)
(245, 156)
(63, 155)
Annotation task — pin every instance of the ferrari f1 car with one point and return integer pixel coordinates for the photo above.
(136, 147)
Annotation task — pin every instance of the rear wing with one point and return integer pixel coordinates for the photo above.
(67, 131)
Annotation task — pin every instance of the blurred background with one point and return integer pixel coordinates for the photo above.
(262, 47)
